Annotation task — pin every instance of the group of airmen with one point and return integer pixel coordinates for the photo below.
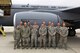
(35, 36)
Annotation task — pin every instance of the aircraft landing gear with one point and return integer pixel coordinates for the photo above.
(2, 29)
(72, 32)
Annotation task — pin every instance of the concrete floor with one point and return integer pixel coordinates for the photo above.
(7, 45)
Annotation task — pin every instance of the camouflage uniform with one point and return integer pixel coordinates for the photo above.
(51, 33)
(26, 36)
(17, 38)
(42, 38)
(63, 37)
(21, 27)
(58, 29)
(30, 26)
(34, 37)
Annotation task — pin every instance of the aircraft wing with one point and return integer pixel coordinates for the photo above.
(72, 10)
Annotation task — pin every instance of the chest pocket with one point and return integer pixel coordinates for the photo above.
(64, 31)
(34, 31)
(43, 30)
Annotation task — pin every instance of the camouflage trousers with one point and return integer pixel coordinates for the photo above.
(17, 43)
(33, 41)
(42, 41)
(26, 41)
(21, 41)
(57, 38)
(51, 41)
(63, 42)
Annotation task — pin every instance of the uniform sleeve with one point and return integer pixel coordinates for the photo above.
(49, 31)
(60, 31)
(36, 31)
(66, 32)
(40, 31)
(54, 31)
(45, 31)
(29, 31)
(14, 34)
(21, 31)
